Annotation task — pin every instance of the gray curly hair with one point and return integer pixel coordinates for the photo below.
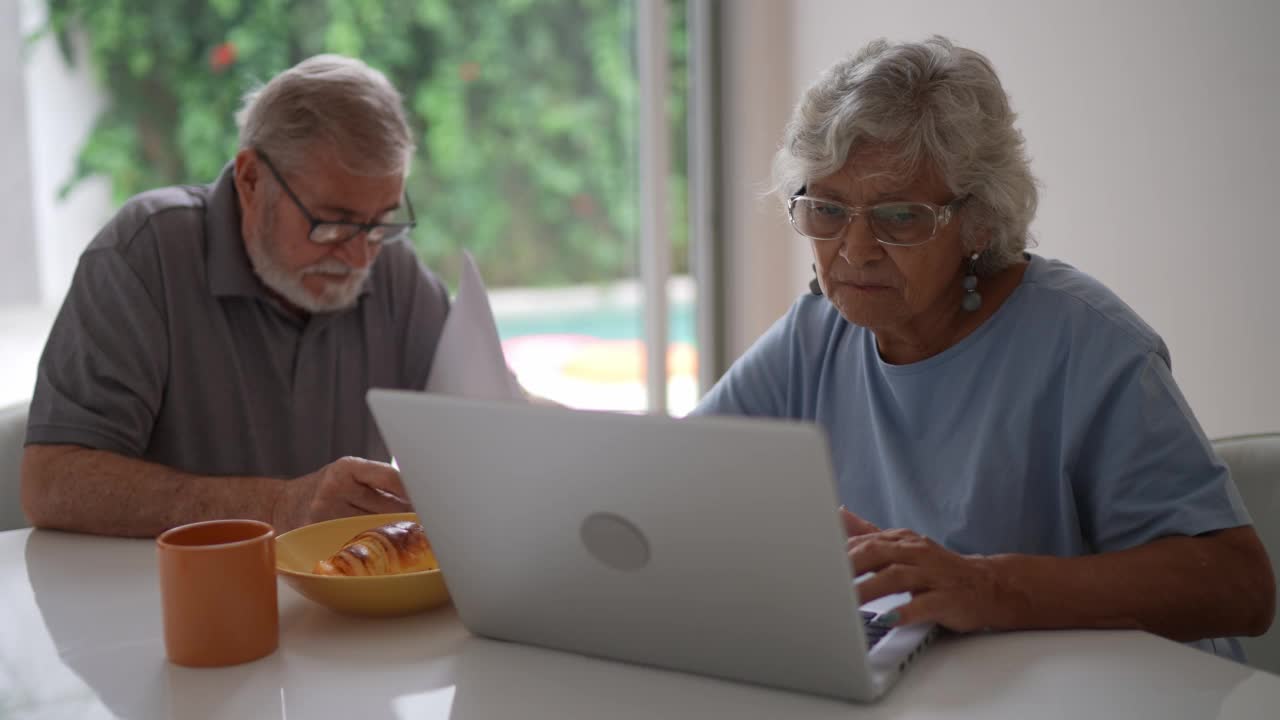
(329, 100)
(932, 104)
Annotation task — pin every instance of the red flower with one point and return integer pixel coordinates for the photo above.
(222, 56)
(583, 205)
(469, 71)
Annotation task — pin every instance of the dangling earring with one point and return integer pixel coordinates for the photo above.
(972, 298)
(815, 287)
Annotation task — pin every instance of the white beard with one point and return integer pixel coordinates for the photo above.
(266, 264)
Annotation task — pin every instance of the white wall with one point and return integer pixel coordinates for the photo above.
(756, 95)
(1153, 126)
(62, 102)
(48, 110)
(18, 282)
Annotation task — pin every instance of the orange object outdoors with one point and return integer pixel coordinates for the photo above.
(218, 592)
(623, 361)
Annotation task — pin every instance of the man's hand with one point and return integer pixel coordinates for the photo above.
(959, 592)
(348, 486)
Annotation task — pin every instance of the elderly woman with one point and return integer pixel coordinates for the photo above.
(1014, 418)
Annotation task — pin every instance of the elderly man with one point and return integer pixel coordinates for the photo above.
(213, 353)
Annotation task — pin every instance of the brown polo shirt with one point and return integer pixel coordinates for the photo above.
(168, 348)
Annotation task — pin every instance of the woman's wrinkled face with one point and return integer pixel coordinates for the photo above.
(883, 287)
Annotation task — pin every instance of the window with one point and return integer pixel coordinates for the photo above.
(530, 128)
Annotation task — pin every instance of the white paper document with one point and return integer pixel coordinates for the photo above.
(469, 360)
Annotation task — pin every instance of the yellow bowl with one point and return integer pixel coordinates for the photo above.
(298, 551)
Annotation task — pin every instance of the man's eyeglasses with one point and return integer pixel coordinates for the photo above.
(893, 223)
(324, 232)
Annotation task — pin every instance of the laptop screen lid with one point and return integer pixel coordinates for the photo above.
(709, 545)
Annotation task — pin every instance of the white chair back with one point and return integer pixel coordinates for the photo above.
(1255, 466)
(13, 431)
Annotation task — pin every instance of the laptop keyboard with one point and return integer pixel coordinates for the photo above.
(874, 631)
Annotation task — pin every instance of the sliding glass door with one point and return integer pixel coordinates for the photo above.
(552, 147)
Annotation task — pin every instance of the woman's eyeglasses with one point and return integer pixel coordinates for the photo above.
(892, 223)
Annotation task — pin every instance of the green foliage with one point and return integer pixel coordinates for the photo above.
(525, 112)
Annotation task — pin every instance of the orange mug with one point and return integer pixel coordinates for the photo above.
(218, 591)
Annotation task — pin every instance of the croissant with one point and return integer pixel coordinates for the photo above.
(387, 550)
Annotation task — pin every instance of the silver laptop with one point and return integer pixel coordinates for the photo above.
(706, 545)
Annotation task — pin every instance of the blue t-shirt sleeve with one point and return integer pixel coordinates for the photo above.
(757, 383)
(1146, 469)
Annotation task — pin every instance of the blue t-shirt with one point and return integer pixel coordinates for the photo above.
(1055, 428)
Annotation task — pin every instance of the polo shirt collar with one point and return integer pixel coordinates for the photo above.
(230, 273)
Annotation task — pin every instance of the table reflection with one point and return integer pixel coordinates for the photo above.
(99, 600)
(86, 640)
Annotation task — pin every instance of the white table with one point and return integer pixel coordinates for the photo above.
(80, 636)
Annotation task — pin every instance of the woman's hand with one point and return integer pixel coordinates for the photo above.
(1218, 584)
(854, 525)
(959, 592)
